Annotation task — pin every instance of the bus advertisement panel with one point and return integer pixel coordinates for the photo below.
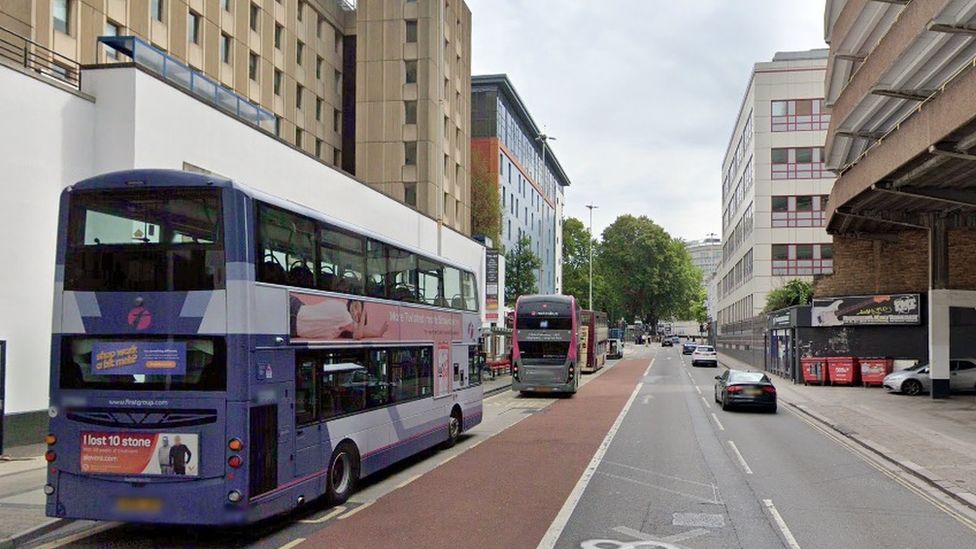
(546, 347)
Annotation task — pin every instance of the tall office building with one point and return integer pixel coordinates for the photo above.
(378, 88)
(706, 254)
(774, 187)
(531, 181)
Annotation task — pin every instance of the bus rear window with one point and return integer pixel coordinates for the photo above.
(550, 350)
(544, 323)
(159, 240)
(132, 364)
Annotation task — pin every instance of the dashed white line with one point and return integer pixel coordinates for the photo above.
(705, 400)
(717, 422)
(557, 526)
(787, 535)
(742, 460)
(697, 388)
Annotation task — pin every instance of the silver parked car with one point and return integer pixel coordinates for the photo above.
(915, 380)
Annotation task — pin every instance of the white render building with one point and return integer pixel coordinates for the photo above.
(774, 187)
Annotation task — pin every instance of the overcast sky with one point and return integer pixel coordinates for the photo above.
(640, 94)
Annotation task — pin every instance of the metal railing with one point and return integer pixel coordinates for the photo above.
(34, 57)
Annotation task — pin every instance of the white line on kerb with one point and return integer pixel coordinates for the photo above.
(556, 528)
(787, 535)
(742, 460)
(717, 422)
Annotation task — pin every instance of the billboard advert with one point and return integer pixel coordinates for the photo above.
(139, 357)
(867, 310)
(140, 453)
(491, 280)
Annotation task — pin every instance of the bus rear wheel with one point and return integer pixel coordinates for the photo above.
(453, 428)
(343, 473)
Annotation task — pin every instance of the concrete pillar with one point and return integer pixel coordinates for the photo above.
(939, 300)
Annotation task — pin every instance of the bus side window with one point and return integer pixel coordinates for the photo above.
(401, 275)
(425, 368)
(452, 288)
(475, 363)
(378, 387)
(376, 269)
(342, 263)
(404, 375)
(468, 292)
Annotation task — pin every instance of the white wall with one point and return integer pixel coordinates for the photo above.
(52, 138)
(45, 144)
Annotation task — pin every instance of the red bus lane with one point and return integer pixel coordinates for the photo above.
(502, 493)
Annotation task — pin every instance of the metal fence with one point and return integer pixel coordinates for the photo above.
(34, 57)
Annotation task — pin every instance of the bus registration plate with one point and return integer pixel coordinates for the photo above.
(139, 505)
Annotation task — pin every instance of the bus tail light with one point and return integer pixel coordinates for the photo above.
(235, 444)
(235, 462)
(50, 439)
(50, 456)
(234, 496)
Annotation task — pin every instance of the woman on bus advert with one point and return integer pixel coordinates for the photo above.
(322, 318)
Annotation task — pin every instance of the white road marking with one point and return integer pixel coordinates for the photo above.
(79, 536)
(357, 509)
(693, 497)
(648, 370)
(697, 388)
(742, 460)
(408, 481)
(654, 473)
(292, 543)
(705, 400)
(647, 399)
(717, 422)
(337, 511)
(557, 526)
(787, 535)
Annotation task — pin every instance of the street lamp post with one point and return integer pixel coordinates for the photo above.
(591, 207)
(543, 138)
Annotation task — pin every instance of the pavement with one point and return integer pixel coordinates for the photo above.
(934, 439)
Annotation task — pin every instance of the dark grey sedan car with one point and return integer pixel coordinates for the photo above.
(739, 388)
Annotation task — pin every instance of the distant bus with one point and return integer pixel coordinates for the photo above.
(545, 350)
(220, 355)
(594, 336)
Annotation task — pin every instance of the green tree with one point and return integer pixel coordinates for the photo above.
(649, 274)
(486, 213)
(576, 260)
(795, 292)
(521, 265)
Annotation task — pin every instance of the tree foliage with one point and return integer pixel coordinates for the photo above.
(521, 266)
(486, 214)
(576, 259)
(795, 292)
(647, 275)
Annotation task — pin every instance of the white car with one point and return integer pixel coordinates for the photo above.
(916, 380)
(704, 355)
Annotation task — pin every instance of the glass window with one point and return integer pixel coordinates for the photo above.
(410, 110)
(206, 366)
(141, 241)
(779, 108)
(299, 52)
(781, 203)
(410, 153)
(781, 252)
(804, 251)
(252, 66)
(305, 395)
(255, 14)
(402, 274)
(301, 10)
(410, 194)
(318, 67)
(61, 14)
(411, 32)
(804, 155)
(804, 107)
(426, 369)
(193, 28)
(342, 383)
(469, 291)
(225, 5)
(430, 281)
(278, 32)
(158, 9)
(286, 247)
(404, 375)
(375, 268)
(299, 92)
(826, 251)
(452, 288)
(378, 385)
(336, 119)
(111, 29)
(342, 263)
(226, 47)
(278, 75)
(318, 109)
(780, 156)
(476, 362)
(804, 203)
(410, 72)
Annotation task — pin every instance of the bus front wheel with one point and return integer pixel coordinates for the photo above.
(343, 473)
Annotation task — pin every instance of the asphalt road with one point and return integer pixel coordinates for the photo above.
(681, 472)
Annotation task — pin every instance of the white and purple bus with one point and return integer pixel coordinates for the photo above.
(220, 355)
(546, 344)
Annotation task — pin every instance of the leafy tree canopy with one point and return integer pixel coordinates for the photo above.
(795, 292)
(521, 266)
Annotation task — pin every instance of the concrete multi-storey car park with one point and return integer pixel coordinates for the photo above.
(900, 85)
(774, 189)
(124, 117)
